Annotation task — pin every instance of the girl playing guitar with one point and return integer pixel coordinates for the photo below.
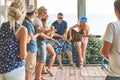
(81, 44)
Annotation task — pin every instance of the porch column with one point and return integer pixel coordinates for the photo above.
(31, 2)
(81, 11)
(81, 8)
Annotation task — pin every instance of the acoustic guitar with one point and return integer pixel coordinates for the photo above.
(77, 36)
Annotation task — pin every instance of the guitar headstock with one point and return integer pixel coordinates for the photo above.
(98, 36)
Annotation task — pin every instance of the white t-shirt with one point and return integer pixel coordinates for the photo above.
(37, 22)
(112, 35)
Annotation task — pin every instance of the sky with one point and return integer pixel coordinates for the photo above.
(100, 6)
(68, 6)
(65, 6)
(98, 12)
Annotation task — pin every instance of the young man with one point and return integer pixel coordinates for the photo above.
(32, 45)
(111, 45)
(42, 54)
(61, 27)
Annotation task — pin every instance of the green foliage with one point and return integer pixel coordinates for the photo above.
(92, 51)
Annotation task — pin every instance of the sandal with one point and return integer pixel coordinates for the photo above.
(41, 79)
(81, 66)
(49, 72)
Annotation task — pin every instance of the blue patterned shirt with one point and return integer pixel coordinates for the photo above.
(9, 49)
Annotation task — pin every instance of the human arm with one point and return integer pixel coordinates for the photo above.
(70, 31)
(105, 50)
(107, 40)
(22, 37)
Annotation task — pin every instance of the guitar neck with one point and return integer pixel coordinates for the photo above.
(97, 36)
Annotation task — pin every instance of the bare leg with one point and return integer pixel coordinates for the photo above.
(51, 51)
(28, 75)
(44, 70)
(78, 44)
(38, 70)
(59, 59)
(83, 50)
(70, 56)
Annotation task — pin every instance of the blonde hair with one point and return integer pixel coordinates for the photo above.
(15, 12)
(41, 9)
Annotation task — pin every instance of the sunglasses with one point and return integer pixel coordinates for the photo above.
(60, 18)
(45, 12)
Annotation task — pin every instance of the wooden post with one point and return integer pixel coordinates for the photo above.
(81, 6)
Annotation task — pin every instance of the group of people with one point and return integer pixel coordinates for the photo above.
(26, 39)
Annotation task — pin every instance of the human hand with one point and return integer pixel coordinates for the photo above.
(57, 42)
(28, 39)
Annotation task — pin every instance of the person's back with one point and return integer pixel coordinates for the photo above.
(111, 45)
(13, 39)
(114, 55)
(9, 49)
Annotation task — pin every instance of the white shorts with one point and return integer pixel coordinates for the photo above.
(16, 74)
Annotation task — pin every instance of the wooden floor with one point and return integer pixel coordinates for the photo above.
(88, 72)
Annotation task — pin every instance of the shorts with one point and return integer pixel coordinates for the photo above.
(16, 74)
(30, 61)
(112, 78)
(42, 53)
(63, 47)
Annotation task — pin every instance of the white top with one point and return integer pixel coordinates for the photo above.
(37, 22)
(112, 35)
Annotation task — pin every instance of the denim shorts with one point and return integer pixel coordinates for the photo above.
(42, 54)
(112, 78)
(16, 74)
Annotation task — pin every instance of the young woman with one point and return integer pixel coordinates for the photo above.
(13, 40)
(81, 45)
(50, 50)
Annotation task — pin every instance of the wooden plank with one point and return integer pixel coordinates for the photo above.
(58, 74)
(77, 73)
(83, 72)
(67, 77)
(72, 73)
(102, 73)
(96, 71)
(90, 71)
(54, 71)
(63, 73)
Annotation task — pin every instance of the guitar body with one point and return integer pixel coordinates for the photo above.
(76, 36)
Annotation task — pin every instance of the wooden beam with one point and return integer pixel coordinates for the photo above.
(81, 6)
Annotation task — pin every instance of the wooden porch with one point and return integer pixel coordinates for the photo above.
(88, 72)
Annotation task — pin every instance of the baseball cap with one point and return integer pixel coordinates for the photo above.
(83, 19)
(30, 9)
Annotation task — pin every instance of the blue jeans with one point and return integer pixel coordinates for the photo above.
(42, 54)
(16, 74)
(112, 78)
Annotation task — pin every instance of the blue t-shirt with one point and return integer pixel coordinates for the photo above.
(32, 46)
(9, 49)
(60, 27)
